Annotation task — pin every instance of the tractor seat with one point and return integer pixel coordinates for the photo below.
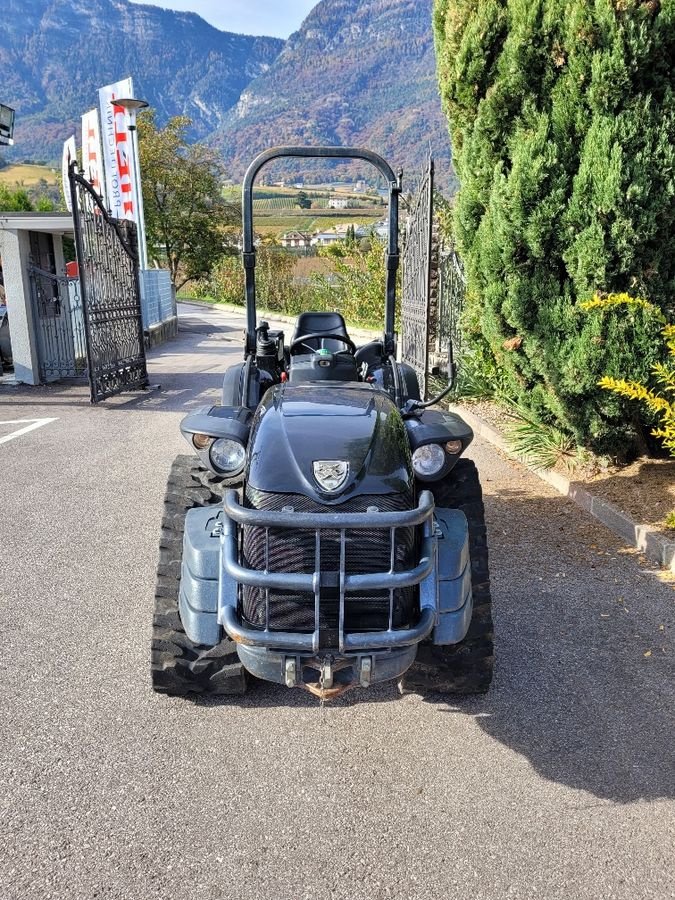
(326, 322)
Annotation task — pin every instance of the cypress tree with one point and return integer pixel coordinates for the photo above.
(562, 116)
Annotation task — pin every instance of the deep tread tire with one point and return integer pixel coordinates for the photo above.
(178, 666)
(464, 668)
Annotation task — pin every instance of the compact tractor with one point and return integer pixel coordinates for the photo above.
(326, 531)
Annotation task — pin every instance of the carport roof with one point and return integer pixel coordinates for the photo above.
(54, 223)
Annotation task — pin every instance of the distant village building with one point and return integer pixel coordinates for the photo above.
(339, 233)
(326, 238)
(342, 230)
(340, 203)
(296, 239)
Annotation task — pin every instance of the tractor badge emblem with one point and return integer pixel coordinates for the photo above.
(330, 474)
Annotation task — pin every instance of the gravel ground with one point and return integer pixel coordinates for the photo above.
(643, 489)
(560, 783)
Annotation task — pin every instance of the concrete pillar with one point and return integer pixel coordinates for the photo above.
(15, 251)
(59, 258)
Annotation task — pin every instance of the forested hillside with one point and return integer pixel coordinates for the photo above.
(55, 54)
(359, 73)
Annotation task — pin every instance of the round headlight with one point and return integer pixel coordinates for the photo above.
(428, 460)
(227, 455)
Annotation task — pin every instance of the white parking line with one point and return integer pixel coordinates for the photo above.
(31, 426)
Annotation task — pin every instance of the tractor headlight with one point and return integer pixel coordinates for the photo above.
(201, 441)
(428, 460)
(227, 456)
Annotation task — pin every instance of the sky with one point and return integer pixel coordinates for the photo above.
(277, 18)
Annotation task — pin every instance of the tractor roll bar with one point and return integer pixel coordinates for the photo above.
(248, 253)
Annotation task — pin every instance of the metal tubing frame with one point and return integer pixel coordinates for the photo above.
(248, 252)
(306, 643)
(310, 583)
(267, 518)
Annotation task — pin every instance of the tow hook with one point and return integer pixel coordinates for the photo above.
(326, 674)
(290, 672)
(365, 671)
(327, 687)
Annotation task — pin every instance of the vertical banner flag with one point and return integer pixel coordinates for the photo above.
(69, 154)
(91, 152)
(117, 151)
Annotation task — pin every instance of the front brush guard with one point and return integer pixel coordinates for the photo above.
(422, 574)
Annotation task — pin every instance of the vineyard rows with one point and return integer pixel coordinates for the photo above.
(271, 203)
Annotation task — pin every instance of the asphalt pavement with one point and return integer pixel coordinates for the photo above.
(560, 783)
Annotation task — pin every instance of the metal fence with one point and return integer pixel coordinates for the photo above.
(158, 302)
(59, 320)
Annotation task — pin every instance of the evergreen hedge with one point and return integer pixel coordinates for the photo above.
(562, 117)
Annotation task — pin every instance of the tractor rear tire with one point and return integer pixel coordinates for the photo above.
(464, 668)
(180, 667)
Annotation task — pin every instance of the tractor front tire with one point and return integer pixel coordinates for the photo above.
(464, 668)
(180, 667)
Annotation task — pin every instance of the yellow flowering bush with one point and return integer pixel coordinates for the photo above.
(663, 403)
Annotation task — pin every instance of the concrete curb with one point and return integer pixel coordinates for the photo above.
(161, 332)
(275, 316)
(641, 537)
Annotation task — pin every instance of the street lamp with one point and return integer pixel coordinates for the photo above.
(131, 106)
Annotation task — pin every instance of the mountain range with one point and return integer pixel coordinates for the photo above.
(357, 72)
(55, 54)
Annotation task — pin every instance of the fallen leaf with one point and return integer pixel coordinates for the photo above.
(513, 343)
(648, 653)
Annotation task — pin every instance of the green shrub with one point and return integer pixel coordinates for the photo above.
(16, 200)
(355, 286)
(562, 115)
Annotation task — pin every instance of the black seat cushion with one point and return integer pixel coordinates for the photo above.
(321, 322)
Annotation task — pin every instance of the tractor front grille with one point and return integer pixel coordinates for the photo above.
(293, 550)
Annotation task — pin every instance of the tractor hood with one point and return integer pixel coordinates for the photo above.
(296, 427)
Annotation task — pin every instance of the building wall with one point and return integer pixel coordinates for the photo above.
(158, 301)
(15, 253)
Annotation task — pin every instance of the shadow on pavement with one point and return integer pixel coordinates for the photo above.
(573, 692)
(584, 686)
(171, 388)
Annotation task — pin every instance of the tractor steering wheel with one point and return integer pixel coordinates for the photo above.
(321, 334)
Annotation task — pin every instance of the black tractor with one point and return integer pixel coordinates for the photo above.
(326, 532)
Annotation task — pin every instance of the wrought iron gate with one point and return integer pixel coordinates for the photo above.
(451, 294)
(417, 280)
(57, 309)
(108, 261)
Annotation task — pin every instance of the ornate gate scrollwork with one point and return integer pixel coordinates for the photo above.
(434, 289)
(107, 254)
(416, 280)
